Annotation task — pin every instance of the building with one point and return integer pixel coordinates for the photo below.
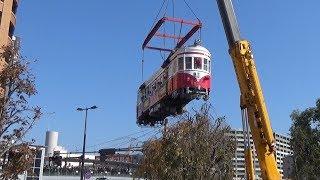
(36, 170)
(282, 146)
(283, 150)
(8, 9)
(36, 165)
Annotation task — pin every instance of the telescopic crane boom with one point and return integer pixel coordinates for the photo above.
(252, 104)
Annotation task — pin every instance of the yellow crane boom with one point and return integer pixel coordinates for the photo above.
(252, 104)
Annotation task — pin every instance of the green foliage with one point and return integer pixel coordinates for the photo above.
(305, 142)
(197, 147)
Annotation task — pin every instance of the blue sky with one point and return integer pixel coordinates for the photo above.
(89, 53)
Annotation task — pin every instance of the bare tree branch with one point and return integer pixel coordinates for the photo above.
(17, 117)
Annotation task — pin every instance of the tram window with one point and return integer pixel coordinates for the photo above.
(188, 62)
(142, 95)
(205, 64)
(209, 65)
(174, 67)
(180, 63)
(197, 63)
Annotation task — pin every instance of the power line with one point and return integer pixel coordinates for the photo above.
(117, 139)
(133, 139)
(137, 138)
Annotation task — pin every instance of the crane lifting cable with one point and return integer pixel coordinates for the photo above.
(195, 26)
(164, 2)
(158, 30)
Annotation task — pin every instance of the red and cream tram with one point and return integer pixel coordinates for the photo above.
(184, 78)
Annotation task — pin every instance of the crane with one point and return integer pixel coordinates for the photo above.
(253, 108)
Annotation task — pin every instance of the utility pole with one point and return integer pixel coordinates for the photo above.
(84, 138)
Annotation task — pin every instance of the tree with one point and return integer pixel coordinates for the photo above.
(17, 85)
(305, 142)
(20, 159)
(196, 147)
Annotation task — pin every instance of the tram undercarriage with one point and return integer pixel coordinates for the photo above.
(171, 105)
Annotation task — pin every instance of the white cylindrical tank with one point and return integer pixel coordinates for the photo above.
(51, 142)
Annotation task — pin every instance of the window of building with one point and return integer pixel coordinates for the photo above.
(180, 63)
(197, 63)
(14, 7)
(159, 83)
(188, 62)
(38, 154)
(37, 162)
(0, 16)
(205, 64)
(11, 30)
(140, 96)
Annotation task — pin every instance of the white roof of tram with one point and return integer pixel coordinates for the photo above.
(192, 48)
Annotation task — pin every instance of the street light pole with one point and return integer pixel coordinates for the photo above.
(84, 144)
(84, 139)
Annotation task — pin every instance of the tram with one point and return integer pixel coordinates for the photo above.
(185, 77)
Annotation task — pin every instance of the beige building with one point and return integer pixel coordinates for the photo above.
(8, 9)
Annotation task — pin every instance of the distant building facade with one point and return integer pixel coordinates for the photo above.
(36, 170)
(282, 146)
(8, 9)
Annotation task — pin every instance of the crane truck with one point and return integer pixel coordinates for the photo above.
(252, 104)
